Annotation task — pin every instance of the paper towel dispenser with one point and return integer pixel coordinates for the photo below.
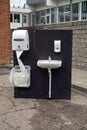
(20, 40)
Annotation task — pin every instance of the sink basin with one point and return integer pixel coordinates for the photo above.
(49, 64)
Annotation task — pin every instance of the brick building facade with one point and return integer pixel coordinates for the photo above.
(5, 46)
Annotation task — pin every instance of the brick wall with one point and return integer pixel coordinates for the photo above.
(79, 48)
(5, 48)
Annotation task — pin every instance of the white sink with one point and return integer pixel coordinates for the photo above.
(49, 64)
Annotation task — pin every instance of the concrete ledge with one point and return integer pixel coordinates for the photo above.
(79, 79)
(6, 65)
(80, 88)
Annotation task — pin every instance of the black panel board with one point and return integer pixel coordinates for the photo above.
(41, 47)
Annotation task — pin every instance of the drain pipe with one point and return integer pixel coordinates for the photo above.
(50, 75)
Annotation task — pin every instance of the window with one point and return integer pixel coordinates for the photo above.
(47, 16)
(61, 14)
(42, 12)
(11, 17)
(42, 20)
(24, 19)
(67, 12)
(38, 14)
(43, 17)
(47, 19)
(54, 15)
(48, 11)
(64, 13)
(75, 12)
(84, 10)
(17, 18)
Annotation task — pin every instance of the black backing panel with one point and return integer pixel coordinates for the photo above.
(41, 47)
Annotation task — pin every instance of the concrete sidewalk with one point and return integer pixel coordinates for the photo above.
(79, 79)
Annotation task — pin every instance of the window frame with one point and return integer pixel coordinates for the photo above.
(55, 11)
(24, 18)
(16, 20)
(78, 13)
(84, 12)
(65, 13)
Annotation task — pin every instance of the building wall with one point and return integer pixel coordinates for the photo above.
(79, 55)
(17, 24)
(5, 48)
(19, 16)
(71, 17)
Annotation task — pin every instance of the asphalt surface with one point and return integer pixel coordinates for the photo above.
(37, 114)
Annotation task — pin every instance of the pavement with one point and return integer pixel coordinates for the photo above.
(38, 114)
(79, 79)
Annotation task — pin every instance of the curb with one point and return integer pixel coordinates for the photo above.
(82, 89)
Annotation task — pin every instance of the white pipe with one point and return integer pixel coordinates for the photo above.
(49, 71)
(50, 75)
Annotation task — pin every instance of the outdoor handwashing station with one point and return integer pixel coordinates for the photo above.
(42, 64)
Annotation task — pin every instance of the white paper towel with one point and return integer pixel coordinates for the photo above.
(21, 65)
(21, 76)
